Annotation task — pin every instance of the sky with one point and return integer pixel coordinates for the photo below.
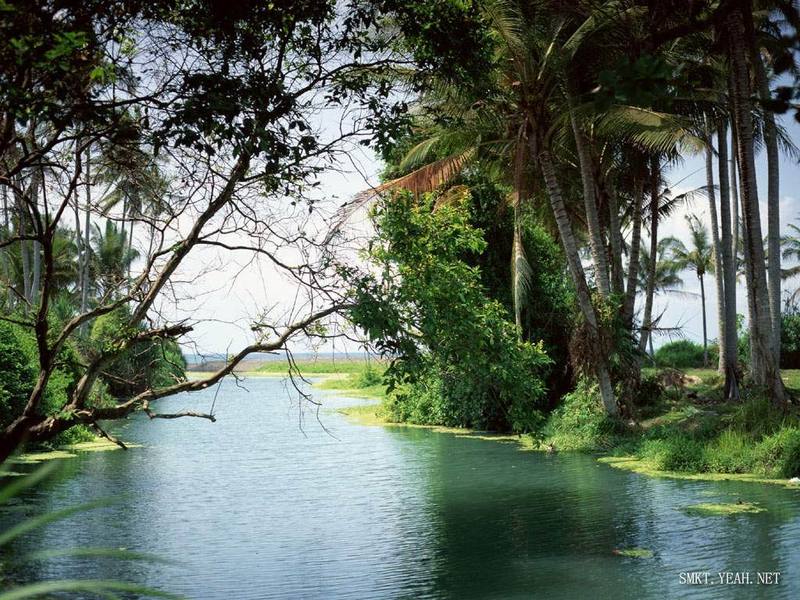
(684, 310)
(226, 302)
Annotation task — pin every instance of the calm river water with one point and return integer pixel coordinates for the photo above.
(256, 506)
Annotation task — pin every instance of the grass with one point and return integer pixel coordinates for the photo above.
(688, 433)
(695, 438)
(320, 366)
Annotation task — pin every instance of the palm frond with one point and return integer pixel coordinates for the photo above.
(521, 276)
(422, 180)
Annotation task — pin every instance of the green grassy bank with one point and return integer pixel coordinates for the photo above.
(685, 431)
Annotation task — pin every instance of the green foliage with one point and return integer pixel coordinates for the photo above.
(779, 453)
(137, 366)
(684, 354)
(457, 360)
(369, 377)
(649, 394)
(678, 453)
(16, 375)
(731, 452)
(548, 303)
(790, 338)
(580, 422)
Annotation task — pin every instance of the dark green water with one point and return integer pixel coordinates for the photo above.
(253, 506)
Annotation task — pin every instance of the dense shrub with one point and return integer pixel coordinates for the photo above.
(19, 366)
(685, 354)
(731, 452)
(790, 339)
(17, 375)
(676, 453)
(457, 359)
(779, 454)
(580, 422)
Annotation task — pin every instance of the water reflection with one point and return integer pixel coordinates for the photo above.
(252, 507)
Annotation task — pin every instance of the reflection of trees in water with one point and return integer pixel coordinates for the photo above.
(510, 522)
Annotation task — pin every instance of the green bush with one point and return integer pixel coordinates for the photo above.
(17, 374)
(756, 415)
(678, 453)
(369, 377)
(685, 354)
(580, 422)
(731, 452)
(457, 359)
(779, 454)
(650, 390)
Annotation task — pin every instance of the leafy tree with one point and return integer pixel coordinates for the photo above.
(456, 358)
(698, 258)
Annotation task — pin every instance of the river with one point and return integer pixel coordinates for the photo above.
(268, 503)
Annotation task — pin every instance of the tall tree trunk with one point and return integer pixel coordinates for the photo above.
(6, 265)
(734, 171)
(36, 271)
(578, 276)
(633, 263)
(130, 247)
(25, 245)
(729, 271)
(78, 234)
(615, 240)
(596, 244)
(773, 207)
(655, 179)
(705, 324)
(36, 248)
(719, 276)
(87, 248)
(768, 373)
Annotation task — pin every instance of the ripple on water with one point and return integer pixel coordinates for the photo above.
(253, 507)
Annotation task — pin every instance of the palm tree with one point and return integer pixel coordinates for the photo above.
(765, 368)
(665, 276)
(111, 258)
(700, 259)
(728, 360)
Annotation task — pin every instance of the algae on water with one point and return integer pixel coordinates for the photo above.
(709, 509)
(634, 552)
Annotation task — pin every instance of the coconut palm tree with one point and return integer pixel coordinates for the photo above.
(111, 258)
(665, 276)
(699, 257)
(765, 368)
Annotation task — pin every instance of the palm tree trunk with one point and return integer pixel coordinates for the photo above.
(633, 262)
(78, 234)
(615, 239)
(728, 270)
(596, 244)
(655, 177)
(773, 207)
(734, 168)
(578, 276)
(87, 248)
(705, 325)
(130, 246)
(6, 265)
(768, 372)
(715, 241)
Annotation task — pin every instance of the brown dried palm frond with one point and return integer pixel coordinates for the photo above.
(420, 181)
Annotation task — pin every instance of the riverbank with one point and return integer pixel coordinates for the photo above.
(685, 432)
